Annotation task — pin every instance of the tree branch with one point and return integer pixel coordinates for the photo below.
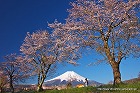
(119, 57)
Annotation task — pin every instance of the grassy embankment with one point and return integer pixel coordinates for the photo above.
(122, 88)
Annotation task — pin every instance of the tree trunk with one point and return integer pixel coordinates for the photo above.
(113, 63)
(1, 90)
(39, 87)
(116, 73)
(11, 84)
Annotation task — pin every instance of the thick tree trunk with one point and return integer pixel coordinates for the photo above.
(112, 62)
(116, 73)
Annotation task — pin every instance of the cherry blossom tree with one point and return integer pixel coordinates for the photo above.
(39, 53)
(14, 70)
(110, 27)
(43, 51)
(3, 81)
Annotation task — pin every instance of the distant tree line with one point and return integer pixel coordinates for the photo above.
(139, 75)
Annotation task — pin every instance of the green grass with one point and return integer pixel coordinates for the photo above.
(122, 88)
(72, 90)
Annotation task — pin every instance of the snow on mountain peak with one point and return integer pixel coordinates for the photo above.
(69, 76)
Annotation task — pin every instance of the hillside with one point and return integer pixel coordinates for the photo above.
(134, 80)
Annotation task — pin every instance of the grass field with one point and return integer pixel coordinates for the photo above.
(122, 88)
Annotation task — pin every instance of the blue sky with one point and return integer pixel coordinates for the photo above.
(17, 17)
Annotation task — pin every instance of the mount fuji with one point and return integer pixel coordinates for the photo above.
(69, 76)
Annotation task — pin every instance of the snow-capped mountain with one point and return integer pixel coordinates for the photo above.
(69, 76)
